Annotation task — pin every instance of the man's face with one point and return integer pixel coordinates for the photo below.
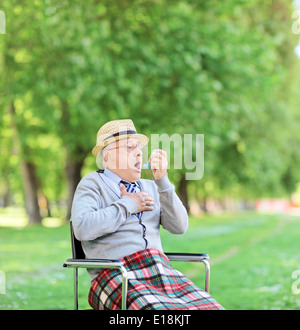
(124, 157)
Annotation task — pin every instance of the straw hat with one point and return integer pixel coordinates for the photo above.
(116, 130)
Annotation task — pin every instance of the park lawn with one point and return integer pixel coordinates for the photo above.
(252, 255)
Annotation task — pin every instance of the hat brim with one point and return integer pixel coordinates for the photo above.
(142, 138)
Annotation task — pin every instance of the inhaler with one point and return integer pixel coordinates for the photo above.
(147, 166)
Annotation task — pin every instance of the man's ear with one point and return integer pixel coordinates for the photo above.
(105, 155)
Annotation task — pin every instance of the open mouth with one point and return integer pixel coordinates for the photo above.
(138, 166)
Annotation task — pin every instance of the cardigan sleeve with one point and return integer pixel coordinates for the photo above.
(174, 217)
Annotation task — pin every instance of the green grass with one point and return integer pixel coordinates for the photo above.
(253, 257)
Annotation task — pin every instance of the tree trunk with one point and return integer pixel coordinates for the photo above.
(31, 192)
(204, 204)
(6, 193)
(28, 173)
(73, 171)
(75, 158)
(182, 192)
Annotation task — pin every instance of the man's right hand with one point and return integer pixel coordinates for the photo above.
(142, 200)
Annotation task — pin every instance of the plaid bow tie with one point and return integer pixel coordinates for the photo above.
(132, 188)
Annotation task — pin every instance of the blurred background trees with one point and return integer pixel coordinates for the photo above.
(226, 70)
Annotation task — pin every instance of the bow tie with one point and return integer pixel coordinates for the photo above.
(132, 188)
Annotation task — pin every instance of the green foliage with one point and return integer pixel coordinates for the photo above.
(226, 70)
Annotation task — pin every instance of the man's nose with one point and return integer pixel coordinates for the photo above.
(138, 151)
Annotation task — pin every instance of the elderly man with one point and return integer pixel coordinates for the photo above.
(117, 215)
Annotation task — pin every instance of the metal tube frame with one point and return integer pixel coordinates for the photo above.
(195, 258)
(102, 265)
(75, 270)
(207, 274)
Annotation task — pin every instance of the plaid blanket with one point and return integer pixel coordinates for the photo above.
(152, 285)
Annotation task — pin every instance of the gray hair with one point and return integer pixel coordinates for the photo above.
(100, 161)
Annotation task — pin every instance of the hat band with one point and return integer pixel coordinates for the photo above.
(121, 133)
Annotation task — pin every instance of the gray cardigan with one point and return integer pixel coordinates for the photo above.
(106, 224)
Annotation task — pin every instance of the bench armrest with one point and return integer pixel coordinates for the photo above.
(187, 256)
(92, 263)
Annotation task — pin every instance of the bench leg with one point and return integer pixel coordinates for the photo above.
(76, 288)
(124, 287)
(207, 274)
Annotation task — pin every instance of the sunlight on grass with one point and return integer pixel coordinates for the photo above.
(17, 218)
(52, 222)
(13, 217)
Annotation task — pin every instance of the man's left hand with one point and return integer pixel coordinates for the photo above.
(159, 163)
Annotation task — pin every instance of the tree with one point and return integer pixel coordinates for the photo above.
(17, 91)
(188, 67)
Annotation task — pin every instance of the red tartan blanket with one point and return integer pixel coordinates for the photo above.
(152, 284)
